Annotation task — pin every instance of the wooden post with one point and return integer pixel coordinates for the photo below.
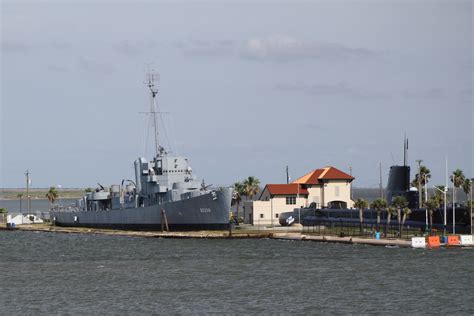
(164, 221)
(161, 220)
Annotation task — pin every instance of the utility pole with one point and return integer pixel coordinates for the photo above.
(454, 204)
(350, 172)
(380, 183)
(445, 223)
(420, 196)
(426, 189)
(287, 175)
(28, 200)
(271, 209)
(470, 181)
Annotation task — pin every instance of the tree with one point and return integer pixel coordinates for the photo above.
(399, 202)
(439, 196)
(466, 187)
(421, 179)
(237, 196)
(379, 205)
(52, 195)
(88, 190)
(361, 204)
(390, 211)
(457, 178)
(251, 187)
(20, 196)
(431, 205)
(406, 213)
(3, 214)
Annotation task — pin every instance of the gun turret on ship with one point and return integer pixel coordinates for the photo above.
(165, 190)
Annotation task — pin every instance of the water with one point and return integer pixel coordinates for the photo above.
(50, 273)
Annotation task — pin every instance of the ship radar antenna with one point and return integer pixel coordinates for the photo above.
(405, 150)
(151, 79)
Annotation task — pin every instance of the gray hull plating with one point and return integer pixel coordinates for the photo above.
(207, 211)
(165, 183)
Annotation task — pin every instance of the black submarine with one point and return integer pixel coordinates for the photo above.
(398, 184)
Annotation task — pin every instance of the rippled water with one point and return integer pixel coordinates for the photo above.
(87, 274)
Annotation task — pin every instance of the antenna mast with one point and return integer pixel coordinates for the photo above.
(405, 150)
(151, 79)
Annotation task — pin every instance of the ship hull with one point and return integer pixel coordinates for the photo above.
(202, 212)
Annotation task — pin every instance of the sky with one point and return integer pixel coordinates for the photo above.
(246, 87)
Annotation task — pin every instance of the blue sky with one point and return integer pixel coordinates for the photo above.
(250, 87)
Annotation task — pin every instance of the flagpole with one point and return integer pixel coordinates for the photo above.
(299, 208)
(27, 173)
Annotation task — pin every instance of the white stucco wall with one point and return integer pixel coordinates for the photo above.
(333, 190)
(260, 212)
(337, 190)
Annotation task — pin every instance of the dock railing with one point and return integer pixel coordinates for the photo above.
(368, 230)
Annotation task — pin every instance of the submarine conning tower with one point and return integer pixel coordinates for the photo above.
(399, 185)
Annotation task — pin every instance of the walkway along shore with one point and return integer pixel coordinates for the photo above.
(217, 235)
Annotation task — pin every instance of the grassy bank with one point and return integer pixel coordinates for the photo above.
(40, 193)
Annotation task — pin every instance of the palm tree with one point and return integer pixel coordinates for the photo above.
(237, 196)
(439, 196)
(378, 205)
(399, 202)
(3, 214)
(421, 179)
(361, 204)
(52, 195)
(466, 186)
(457, 178)
(431, 205)
(20, 196)
(251, 187)
(406, 212)
(390, 211)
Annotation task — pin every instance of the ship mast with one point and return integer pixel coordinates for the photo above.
(151, 78)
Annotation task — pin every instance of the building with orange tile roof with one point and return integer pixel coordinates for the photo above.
(325, 187)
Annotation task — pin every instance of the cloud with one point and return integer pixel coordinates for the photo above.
(128, 48)
(433, 93)
(8, 46)
(207, 47)
(95, 66)
(60, 45)
(286, 48)
(338, 89)
(57, 68)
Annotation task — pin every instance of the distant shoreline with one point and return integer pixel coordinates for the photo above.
(76, 193)
(39, 193)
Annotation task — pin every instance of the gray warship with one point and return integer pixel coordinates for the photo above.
(165, 195)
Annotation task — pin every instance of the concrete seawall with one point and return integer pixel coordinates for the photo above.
(218, 235)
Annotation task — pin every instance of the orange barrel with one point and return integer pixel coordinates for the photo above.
(453, 241)
(433, 241)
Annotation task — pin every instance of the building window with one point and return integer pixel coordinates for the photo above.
(261, 215)
(276, 215)
(290, 200)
